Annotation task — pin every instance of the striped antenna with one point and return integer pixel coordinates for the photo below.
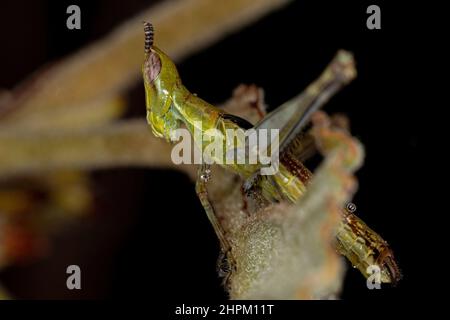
(148, 30)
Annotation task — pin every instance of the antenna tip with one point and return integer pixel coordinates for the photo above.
(149, 33)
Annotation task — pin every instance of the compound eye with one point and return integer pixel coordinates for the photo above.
(152, 67)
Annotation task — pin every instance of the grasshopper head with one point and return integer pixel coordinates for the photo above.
(161, 80)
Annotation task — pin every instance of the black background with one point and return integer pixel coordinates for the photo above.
(150, 235)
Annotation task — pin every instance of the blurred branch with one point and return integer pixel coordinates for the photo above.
(127, 143)
(87, 84)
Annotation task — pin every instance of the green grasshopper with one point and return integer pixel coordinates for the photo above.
(170, 106)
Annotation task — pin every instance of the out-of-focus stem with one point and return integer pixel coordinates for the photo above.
(127, 143)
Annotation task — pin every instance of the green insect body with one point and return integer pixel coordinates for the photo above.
(170, 105)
